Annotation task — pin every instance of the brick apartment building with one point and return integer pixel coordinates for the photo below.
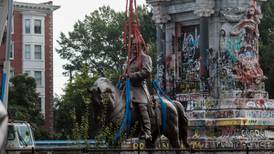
(32, 50)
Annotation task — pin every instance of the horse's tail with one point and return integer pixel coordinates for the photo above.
(183, 122)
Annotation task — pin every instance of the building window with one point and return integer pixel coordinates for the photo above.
(27, 72)
(37, 26)
(12, 51)
(27, 51)
(11, 73)
(12, 24)
(38, 52)
(27, 26)
(40, 104)
(38, 78)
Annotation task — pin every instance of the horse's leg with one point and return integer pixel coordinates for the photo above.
(173, 136)
(183, 122)
(150, 144)
(172, 130)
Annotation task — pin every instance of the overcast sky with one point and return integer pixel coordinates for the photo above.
(63, 21)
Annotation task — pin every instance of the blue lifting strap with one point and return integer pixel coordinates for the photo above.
(163, 105)
(126, 122)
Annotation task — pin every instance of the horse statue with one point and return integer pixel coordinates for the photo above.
(110, 106)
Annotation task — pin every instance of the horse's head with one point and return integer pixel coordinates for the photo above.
(104, 96)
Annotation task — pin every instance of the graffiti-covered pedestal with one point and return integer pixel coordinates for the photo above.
(238, 113)
(210, 51)
(231, 122)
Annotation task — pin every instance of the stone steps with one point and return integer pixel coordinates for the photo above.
(229, 143)
(230, 103)
(232, 121)
(228, 114)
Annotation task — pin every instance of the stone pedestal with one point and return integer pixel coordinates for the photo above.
(228, 107)
(232, 121)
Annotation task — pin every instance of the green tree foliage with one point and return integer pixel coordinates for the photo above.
(73, 118)
(92, 49)
(24, 103)
(97, 41)
(267, 45)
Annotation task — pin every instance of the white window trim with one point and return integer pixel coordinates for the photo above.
(42, 52)
(12, 23)
(25, 52)
(32, 22)
(28, 72)
(41, 28)
(12, 51)
(24, 26)
(42, 109)
(42, 78)
(12, 73)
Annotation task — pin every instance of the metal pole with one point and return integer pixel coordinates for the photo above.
(6, 69)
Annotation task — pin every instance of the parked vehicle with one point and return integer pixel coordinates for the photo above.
(20, 135)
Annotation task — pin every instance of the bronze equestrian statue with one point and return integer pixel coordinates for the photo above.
(109, 105)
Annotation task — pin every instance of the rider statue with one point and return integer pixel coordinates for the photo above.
(139, 92)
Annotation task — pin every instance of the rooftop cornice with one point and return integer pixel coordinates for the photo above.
(158, 2)
(47, 6)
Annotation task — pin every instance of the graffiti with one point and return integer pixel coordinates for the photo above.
(196, 115)
(188, 97)
(160, 73)
(245, 133)
(227, 143)
(209, 103)
(137, 146)
(259, 144)
(237, 113)
(196, 145)
(228, 132)
(262, 122)
(244, 94)
(231, 122)
(253, 134)
(239, 67)
(196, 134)
(229, 103)
(163, 145)
(260, 114)
(196, 123)
(241, 50)
(190, 66)
(230, 137)
(231, 143)
(230, 114)
(189, 86)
